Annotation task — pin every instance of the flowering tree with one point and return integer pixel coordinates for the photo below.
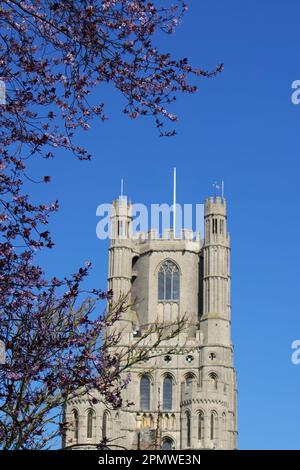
(57, 352)
(53, 56)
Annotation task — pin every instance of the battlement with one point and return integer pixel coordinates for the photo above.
(121, 207)
(184, 395)
(153, 241)
(153, 234)
(215, 206)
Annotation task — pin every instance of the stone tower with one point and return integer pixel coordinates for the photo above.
(187, 399)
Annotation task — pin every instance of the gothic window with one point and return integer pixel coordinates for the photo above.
(168, 282)
(167, 392)
(188, 428)
(75, 424)
(167, 444)
(145, 393)
(105, 422)
(90, 423)
(200, 425)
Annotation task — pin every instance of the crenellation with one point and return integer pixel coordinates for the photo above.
(186, 400)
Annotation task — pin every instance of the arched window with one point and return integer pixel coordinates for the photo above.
(188, 428)
(75, 424)
(214, 378)
(167, 444)
(168, 282)
(213, 425)
(145, 393)
(167, 393)
(105, 422)
(134, 261)
(189, 379)
(224, 429)
(200, 425)
(90, 424)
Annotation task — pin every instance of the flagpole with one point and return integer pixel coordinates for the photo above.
(222, 189)
(174, 203)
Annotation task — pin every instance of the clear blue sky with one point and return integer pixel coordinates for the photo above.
(240, 127)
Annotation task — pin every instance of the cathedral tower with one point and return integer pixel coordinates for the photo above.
(185, 400)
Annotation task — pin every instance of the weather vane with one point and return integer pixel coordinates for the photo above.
(219, 187)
